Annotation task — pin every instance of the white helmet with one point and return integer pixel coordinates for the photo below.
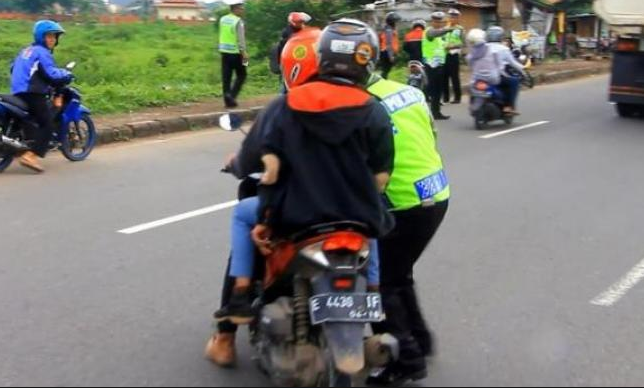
(476, 37)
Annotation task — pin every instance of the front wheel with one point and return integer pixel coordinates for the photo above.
(80, 139)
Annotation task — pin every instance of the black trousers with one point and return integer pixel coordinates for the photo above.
(40, 108)
(399, 253)
(232, 63)
(453, 75)
(435, 85)
(385, 64)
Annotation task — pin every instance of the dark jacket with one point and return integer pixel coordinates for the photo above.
(249, 158)
(332, 140)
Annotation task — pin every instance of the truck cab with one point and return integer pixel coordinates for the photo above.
(627, 83)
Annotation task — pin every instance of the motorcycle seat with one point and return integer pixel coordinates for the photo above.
(322, 229)
(15, 101)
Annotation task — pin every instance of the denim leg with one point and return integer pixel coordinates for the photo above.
(374, 264)
(243, 255)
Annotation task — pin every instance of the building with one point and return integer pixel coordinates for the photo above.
(180, 10)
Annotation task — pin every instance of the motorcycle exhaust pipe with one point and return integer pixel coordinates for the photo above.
(14, 144)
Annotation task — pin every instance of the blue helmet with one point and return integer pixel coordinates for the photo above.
(44, 27)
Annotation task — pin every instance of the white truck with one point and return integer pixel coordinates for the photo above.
(626, 18)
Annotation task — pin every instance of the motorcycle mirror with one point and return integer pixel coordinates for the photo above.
(71, 65)
(231, 122)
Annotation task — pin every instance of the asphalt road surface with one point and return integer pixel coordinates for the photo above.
(533, 279)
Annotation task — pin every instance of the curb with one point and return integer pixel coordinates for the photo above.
(144, 129)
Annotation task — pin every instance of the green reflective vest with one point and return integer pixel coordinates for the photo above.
(418, 177)
(228, 40)
(456, 37)
(434, 53)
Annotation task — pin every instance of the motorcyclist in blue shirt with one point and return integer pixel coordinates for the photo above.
(33, 75)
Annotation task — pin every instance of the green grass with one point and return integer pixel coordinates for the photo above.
(128, 67)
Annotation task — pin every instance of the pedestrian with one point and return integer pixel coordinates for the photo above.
(434, 57)
(234, 52)
(389, 44)
(414, 41)
(454, 49)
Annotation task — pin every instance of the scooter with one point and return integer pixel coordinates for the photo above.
(75, 136)
(487, 103)
(313, 307)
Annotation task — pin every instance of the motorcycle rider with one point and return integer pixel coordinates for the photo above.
(355, 151)
(34, 73)
(418, 197)
(481, 59)
(510, 85)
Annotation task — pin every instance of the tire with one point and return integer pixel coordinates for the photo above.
(5, 161)
(627, 110)
(508, 120)
(82, 136)
(479, 120)
(528, 81)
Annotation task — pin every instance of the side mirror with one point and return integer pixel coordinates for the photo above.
(70, 66)
(231, 122)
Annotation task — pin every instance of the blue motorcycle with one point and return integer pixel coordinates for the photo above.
(487, 103)
(75, 136)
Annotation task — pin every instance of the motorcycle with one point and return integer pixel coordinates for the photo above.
(313, 307)
(487, 103)
(75, 136)
(522, 55)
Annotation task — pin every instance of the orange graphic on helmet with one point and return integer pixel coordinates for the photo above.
(364, 53)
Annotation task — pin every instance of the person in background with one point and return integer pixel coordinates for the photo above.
(234, 52)
(414, 41)
(434, 57)
(455, 42)
(389, 44)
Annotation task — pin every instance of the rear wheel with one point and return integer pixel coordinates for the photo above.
(479, 120)
(6, 159)
(509, 119)
(627, 110)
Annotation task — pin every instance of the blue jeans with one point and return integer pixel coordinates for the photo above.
(511, 87)
(243, 255)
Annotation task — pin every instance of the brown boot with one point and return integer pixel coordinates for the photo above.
(221, 350)
(31, 161)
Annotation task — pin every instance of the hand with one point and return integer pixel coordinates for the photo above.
(271, 169)
(245, 56)
(261, 237)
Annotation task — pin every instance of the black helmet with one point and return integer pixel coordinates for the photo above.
(348, 49)
(392, 18)
(495, 34)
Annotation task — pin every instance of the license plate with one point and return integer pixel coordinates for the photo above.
(346, 308)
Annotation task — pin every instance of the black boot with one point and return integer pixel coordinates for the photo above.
(412, 366)
(239, 310)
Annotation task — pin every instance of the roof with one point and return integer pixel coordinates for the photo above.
(179, 4)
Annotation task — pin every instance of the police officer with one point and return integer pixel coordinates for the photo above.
(418, 195)
(434, 57)
(455, 43)
(234, 53)
(389, 44)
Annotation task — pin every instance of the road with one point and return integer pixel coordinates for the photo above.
(533, 279)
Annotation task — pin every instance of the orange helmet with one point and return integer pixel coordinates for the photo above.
(299, 19)
(299, 57)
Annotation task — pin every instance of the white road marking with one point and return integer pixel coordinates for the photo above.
(178, 218)
(506, 132)
(621, 288)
